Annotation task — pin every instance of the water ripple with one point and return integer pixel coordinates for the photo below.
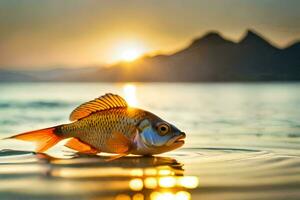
(34, 104)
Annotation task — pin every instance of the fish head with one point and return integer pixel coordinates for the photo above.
(157, 136)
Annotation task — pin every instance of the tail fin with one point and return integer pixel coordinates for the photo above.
(44, 138)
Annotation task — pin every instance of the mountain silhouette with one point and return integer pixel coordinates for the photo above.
(214, 58)
(210, 58)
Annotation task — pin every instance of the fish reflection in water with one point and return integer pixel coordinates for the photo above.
(132, 178)
(91, 177)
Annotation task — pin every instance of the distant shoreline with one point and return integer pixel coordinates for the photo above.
(210, 58)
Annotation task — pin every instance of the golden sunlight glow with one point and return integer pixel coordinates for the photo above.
(136, 172)
(150, 182)
(150, 172)
(136, 184)
(162, 196)
(165, 172)
(138, 196)
(123, 197)
(130, 55)
(181, 195)
(189, 182)
(127, 51)
(167, 182)
(130, 94)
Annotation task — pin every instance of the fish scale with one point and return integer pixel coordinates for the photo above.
(97, 128)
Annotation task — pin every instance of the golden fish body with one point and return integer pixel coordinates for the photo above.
(98, 128)
(107, 124)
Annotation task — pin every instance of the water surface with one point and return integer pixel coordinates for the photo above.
(242, 143)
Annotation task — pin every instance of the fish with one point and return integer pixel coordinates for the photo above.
(107, 124)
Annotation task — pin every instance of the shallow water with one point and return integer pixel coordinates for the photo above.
(243, 142)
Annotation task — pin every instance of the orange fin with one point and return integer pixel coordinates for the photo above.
(105, 102)
(116, 157)
(44, 138)
(119, 143)
(80, 146)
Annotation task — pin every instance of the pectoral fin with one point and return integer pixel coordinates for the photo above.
(80, 146)
(119, 143)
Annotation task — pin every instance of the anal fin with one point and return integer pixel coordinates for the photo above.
(80, 146)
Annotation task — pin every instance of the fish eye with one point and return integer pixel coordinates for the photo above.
(163, 129)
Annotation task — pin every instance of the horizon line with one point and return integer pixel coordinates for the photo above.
(151, 54)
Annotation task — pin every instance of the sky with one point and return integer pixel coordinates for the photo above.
(77, 33)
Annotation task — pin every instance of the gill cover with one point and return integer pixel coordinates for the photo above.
(150, 136)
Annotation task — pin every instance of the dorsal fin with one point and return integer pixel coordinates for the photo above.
(104, 102)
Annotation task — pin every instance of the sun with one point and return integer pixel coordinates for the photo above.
(130, 54)
(127, 50)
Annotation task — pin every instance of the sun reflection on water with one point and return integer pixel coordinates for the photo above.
(181, 195)
(130, 94)
(130, 178)
(136, 184)
(150, 182)
(138, 196)
(161, 184)
(189, 182)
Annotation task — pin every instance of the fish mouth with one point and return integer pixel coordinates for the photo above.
(177, 139)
